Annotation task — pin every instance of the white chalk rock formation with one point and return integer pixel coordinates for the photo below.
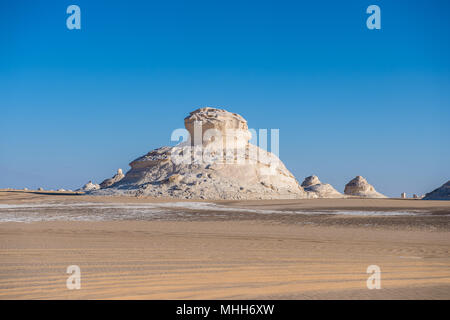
(216, 162)
(361, 188)
(116, 178)
(441, 193)
(89, 187)
(318, 189)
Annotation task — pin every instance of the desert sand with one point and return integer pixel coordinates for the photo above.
(230, 255)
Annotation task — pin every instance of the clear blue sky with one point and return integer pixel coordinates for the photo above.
(78, 104)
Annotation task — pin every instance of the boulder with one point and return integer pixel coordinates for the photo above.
(318, 189)
(310, 181)
(361, 188)
(89, 187)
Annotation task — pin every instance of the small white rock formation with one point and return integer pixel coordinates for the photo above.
(403, 195)
(318, 189)
(116, 178)
(361, 188)
(216, 162)
(25, 189)
(61, 190)
(441, 193)
(89, 187)
(40, 189)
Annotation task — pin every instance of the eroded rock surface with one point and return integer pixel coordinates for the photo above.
(89, 187)
(222, 165)
(116, 178)
(313, 185)
(361, 188)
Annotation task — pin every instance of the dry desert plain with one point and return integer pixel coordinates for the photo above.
(146, 248)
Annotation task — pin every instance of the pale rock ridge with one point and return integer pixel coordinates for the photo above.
(441, 193)
(361, 188)
(89, 187)
(116, 178)
(318, 189)
(256, 174)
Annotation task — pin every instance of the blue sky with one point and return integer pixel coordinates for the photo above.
(78, 104)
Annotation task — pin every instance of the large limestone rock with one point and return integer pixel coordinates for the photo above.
(222, 165)
(441, 193)
(361, 188)
(230, 127)
(116, 178)
(89, 187)
(318, 189)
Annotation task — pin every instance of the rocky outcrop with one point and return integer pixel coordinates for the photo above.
(89, 187)
(116, 178)
(310, 181)
(441, 193)
(361, 188)
(211, 126)
(318, 189)
(216, 162)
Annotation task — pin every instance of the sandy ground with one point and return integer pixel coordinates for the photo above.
(232, 256)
